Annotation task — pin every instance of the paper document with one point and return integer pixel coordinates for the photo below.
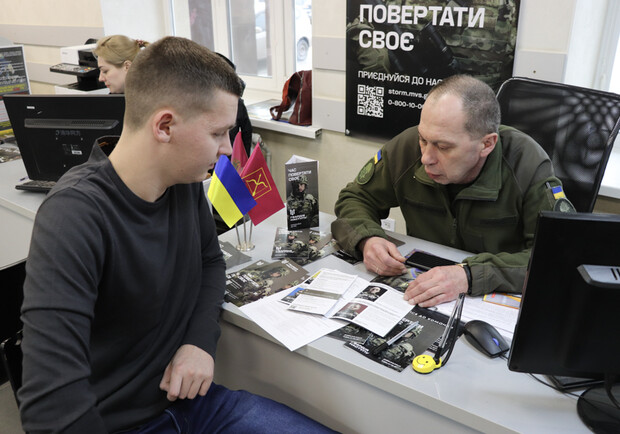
(377, 308)
(320, 293)
(292, 329)
(503, 318)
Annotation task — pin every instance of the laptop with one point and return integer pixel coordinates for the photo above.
(57, 132)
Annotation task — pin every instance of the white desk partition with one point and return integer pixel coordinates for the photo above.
(352, 394)
(333, 384)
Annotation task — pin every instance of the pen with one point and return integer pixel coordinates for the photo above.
(454, 317)
(455, 312)
(376, 350)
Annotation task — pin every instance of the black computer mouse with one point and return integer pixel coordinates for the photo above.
(485, 338)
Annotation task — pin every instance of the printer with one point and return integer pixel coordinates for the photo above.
(80, 61)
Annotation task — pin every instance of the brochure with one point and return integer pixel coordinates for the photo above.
(293, 244)
(377, 308)
(320, 293)
(302, 192)
(424, 336)
(232, 255)
(261, 279)
(400, 282)
(320, 245)
(303, 245)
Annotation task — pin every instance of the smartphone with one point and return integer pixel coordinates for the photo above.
(426, 261)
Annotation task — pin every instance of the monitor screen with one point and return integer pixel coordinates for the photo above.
(57, 132)
(567, 322)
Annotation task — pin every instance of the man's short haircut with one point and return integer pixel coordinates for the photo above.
(176, 73)
(479, 103)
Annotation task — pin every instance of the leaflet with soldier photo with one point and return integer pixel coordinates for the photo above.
(261, 279)
(401, 281)
(321, 244)
(351, 333)
(424, 336)
(302, 192)
(293, 244)
(377, 308)
(303, 245)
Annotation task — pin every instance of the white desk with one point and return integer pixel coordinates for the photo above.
(17, 212)
(333, 384)
(352, 394)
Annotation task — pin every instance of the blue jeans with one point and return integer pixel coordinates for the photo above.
(227, 411)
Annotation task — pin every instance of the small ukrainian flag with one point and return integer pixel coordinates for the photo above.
(558, 193)
(378, 157)
(228, 193)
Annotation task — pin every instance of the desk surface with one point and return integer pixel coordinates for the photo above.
(472, 390)
(344, 389)
(25, 203)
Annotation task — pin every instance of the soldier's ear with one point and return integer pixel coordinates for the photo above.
(488, 144)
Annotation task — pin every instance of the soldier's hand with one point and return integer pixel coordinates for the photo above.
(437, 285)
(382, 257)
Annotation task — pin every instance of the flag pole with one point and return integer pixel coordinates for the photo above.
(238, 238)
(247, 245)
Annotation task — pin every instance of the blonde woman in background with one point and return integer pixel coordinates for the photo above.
(114, 56)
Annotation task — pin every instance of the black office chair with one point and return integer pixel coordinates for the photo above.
(576, 126)
(11, 353)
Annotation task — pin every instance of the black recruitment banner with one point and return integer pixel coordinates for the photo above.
(398, 49)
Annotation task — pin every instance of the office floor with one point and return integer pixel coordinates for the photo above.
(9, 415)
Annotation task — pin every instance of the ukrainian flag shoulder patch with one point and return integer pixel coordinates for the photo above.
(378, 156)
(558, 193)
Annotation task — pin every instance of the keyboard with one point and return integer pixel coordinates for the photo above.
(569, 383)
(39, 186)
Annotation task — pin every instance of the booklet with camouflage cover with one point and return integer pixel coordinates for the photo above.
(261, 279)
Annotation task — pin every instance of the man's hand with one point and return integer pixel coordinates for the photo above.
(189, 373)
(382, 257)
(437, 285)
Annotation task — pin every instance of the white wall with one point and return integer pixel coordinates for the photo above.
(549, 46)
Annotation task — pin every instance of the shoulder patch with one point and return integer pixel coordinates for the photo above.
(378, 157)
(366, 173)
(563, 205)
(557, 191)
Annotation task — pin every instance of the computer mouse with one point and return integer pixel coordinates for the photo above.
(485, 338)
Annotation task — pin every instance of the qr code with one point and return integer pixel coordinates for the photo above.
(370, 100)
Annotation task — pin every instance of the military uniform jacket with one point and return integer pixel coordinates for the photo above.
(493, 217)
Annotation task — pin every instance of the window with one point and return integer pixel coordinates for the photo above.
(608, 67)
(267, 40)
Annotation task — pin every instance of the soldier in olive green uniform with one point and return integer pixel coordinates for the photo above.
(477, 188)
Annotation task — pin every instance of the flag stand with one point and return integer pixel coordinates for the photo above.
(247, 244)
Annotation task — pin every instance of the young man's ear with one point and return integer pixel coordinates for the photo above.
(162, 122)
(489, 141)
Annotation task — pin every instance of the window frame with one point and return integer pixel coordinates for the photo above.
(281, 38)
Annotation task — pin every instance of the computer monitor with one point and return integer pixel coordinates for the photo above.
(568, 321)
(57, 132)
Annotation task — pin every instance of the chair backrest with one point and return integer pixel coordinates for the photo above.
(11, 352)
(576, 127)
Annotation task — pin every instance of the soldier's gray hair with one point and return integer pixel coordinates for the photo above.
(479, 103)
